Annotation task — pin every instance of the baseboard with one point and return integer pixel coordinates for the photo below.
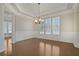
(2, 50)
(23, 39)
(19, 36)
(2, 53)
(70, 37)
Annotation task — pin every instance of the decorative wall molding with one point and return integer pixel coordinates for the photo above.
(22, 36)
(70, 37)
(2, 50)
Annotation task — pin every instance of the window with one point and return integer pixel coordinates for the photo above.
(50, 26)
(55, 25)
(5, 27)
(42, 28)
(7, 24)
(9, 27)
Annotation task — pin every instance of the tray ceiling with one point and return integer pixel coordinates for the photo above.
(31, 9)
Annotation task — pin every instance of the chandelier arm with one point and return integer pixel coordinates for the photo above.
(38, 18)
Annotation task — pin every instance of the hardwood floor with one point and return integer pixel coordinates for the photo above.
(8, 47)
(2, 54)
(43, 47)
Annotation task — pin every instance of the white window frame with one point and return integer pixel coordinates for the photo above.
(5, 20)
(51, 27)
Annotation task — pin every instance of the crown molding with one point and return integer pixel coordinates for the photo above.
(43, 13)
(57, 13)
(21, 10)
(16, 11)
(15, 8)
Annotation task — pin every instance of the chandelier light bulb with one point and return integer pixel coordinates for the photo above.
(36, 21)
(39, 19)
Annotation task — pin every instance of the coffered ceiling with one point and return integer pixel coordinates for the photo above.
(32, 10)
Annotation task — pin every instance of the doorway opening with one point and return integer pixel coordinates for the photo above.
(8, 33)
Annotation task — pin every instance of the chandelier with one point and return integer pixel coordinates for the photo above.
(38, 19)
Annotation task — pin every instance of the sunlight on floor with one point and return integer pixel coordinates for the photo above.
(48, 49)
(55, 50)
(8, 46)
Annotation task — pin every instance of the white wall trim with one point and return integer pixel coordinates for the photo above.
(2, 50)
(16, 12)
(22, 36)
(58, 13)
(70, 37)
(76, 44)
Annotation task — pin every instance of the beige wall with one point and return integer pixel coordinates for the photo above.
(23, 24)
(24, 28)
(67, 22)
(78, 20)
